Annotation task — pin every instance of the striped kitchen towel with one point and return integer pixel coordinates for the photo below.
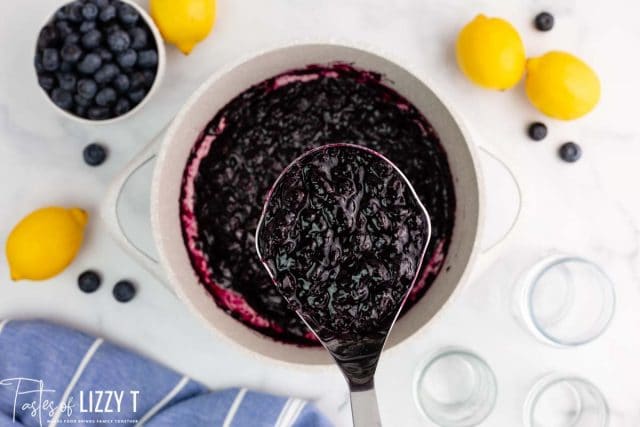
(54, 376)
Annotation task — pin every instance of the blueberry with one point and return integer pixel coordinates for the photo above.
(127, 14)
(105, 54)
(570, 152)
(91, 39)
(149, 78)
(71, 53)
(544, 21)
(128, 58)
(50, 59)
(124, 291)
(108, 13)
(147, 58)
(74, 12)
(106, 97)
(139, 37)
(90, 11)
(80, 110)
(113, 28)
(119, 41)
(94, 154)
(46, 81)
(48, 37)
(89, 281)
(121, 83)
(64, 28)
(98, 113)
(37, 62)
(102, 3)
(87, 88)
(67, 67)
(137, 96)
(82, 101)
(87, 26)
(90, 64)
(73, 38)
(537, 131)
(67, 81)
(137, 80)
(123, 106)
(61, 13)
(62, 98)
(106, 74)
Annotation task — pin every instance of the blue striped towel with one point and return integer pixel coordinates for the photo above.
(53, 376)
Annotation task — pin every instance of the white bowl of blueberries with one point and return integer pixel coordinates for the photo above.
(99, 60)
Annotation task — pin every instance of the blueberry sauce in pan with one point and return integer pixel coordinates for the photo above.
(343, 236)
(250, 141)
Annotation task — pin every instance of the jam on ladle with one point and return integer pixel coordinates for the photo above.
(342, 236)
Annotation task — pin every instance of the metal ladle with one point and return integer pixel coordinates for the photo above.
(358, 369)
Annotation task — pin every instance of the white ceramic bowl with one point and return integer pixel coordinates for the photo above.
(162, 63)
(231, 81)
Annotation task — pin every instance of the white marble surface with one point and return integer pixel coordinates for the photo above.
(590, 208)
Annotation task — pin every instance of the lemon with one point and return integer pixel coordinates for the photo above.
(184, 23)
(490, 53)
(561, 85)
(45, 242)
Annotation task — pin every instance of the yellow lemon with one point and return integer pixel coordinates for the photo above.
(561, 85)
(45, 242)
(490, 53)
(184, 23)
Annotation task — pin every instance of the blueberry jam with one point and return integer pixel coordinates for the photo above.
(343, 236)
(250, 141)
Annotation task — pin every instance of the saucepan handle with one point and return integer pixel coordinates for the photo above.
(111, 215)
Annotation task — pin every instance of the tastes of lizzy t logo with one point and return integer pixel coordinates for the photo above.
(31, 398)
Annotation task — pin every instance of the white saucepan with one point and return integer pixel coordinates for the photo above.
(173, 149)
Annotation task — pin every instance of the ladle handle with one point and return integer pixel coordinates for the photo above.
(364, 408)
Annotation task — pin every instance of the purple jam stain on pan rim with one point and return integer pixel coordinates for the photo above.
(234, 302)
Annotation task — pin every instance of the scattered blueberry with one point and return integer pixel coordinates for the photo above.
(89, 281)
(106, 74)
(122, 106)
(106, 97)
(79, 110)
(119, 41)
(570, 152)
(37, 63)
(50, 59)
(90, 64)
(127, 14)
(98, 113)
(147, 59)
(71, 53)
(87, 26)
(105, 54)
(48, 37)
(64, 28)
(90, 11)
(108, 13)
(128, 58)
(544, 21)
(137, 95)
(121, 83)
(87, 88)
(67, 81)
(91, 39)
(62, 98)
(73, 38)
(139, 37)
(67, 67)
(94, 154)
(124, 291)
(46, 81)
(537, 131)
